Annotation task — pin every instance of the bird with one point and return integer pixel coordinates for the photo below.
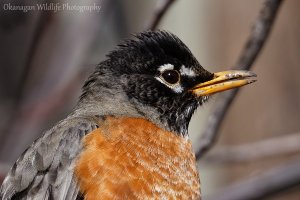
(127, 137)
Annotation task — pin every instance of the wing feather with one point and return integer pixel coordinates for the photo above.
(46, 169)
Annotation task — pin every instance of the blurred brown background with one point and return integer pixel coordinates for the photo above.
(45, 57)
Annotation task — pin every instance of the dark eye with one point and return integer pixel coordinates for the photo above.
(171, 76)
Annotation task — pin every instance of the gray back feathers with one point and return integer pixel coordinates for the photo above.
(46, 169)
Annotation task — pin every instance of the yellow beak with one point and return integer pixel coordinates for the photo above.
(224, 81)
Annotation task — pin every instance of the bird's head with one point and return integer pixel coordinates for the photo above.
(155, 76)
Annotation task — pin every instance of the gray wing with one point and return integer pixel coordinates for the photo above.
(45, 169)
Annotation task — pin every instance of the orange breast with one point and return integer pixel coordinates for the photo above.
(130, 158)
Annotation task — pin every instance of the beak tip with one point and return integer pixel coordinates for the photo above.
(252, 74)
(224, 81)
(252, 81)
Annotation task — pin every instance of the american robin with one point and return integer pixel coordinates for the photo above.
(127, 138)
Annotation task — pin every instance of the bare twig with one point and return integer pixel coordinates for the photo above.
(267, 184)
(252, 48)
(48, 72)
(43, 21)
(38, 111)
(268, 148)
(161, 8)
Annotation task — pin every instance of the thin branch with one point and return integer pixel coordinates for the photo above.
(161, 9)
(41, 109)
(35, 112)
(43, 22)
(49, 71)
(267, 184)
(251, 50)
(40, 22)
(268, 148)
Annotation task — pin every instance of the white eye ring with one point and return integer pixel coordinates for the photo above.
(171, 77)
(175, 87)
(162, 69)
(187, 71)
